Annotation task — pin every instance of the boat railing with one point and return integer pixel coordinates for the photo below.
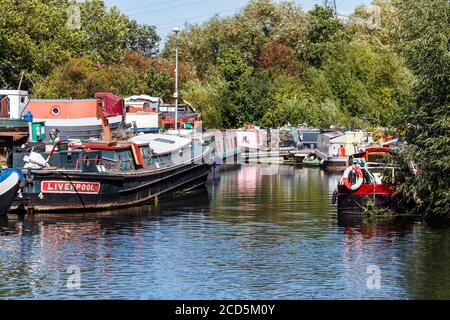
(381, 167)
(391, 168)
(370, 166)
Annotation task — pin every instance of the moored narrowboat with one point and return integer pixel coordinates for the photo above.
(333, 148)
(79, 119)
(104, 175)
(367, 178)
(225, 150)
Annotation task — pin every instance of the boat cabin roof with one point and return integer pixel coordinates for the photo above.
(162, 143)
(368, 151)
(143, 98)
(334, 134)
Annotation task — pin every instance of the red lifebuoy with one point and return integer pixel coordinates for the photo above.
(359, 180)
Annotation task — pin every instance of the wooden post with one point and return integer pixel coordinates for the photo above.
(4, 110)
(106, 130)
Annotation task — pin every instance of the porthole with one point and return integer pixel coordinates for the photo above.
(56, 111)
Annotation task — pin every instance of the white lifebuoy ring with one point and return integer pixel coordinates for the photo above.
(359, 180)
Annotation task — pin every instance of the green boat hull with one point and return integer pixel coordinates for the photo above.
(311, 163)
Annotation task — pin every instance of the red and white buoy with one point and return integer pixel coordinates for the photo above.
(359, 179)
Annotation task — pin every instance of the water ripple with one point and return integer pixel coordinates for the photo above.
(247, 236)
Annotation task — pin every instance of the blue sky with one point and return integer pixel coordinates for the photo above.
(169, 13)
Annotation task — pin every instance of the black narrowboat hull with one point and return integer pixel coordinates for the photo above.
(48, 191)
(351, 203)
(229, 163)
(335, 165)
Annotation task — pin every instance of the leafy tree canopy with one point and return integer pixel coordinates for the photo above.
(37, 36)
(424, 35)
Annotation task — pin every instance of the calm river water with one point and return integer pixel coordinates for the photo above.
(251, 234)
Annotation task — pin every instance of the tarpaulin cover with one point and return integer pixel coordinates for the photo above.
(112, 105)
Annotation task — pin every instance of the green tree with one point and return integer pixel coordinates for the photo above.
(79, 78)
(288, 98)
(424, 40)
(105, 32)
(347, 74)
(159, 82)
(31, 34)
(82, 78)
(323, 28)
(143, 39)
(35, 37)
(246, 91)
(206, 98)
(370, 82)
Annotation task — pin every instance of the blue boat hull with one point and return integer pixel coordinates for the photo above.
(9, 185)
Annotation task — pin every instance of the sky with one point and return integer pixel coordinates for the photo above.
(170, 13)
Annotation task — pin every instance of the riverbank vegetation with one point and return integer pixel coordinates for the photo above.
(424, 122)
(269, 64)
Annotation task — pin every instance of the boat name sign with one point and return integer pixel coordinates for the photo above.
(70, 187)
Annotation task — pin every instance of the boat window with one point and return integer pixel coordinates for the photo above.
(146, 154)
(125, 160)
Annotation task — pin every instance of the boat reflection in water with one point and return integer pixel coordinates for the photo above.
(363, 240)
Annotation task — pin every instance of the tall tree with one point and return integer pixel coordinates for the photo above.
(105, 31)
(78, 78)
(323, 28)
(36, 36)
(33, 39)
(143, 39)
(424, 41)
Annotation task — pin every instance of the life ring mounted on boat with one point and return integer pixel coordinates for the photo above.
(359, 178)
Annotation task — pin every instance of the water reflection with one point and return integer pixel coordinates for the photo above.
(249, 235)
